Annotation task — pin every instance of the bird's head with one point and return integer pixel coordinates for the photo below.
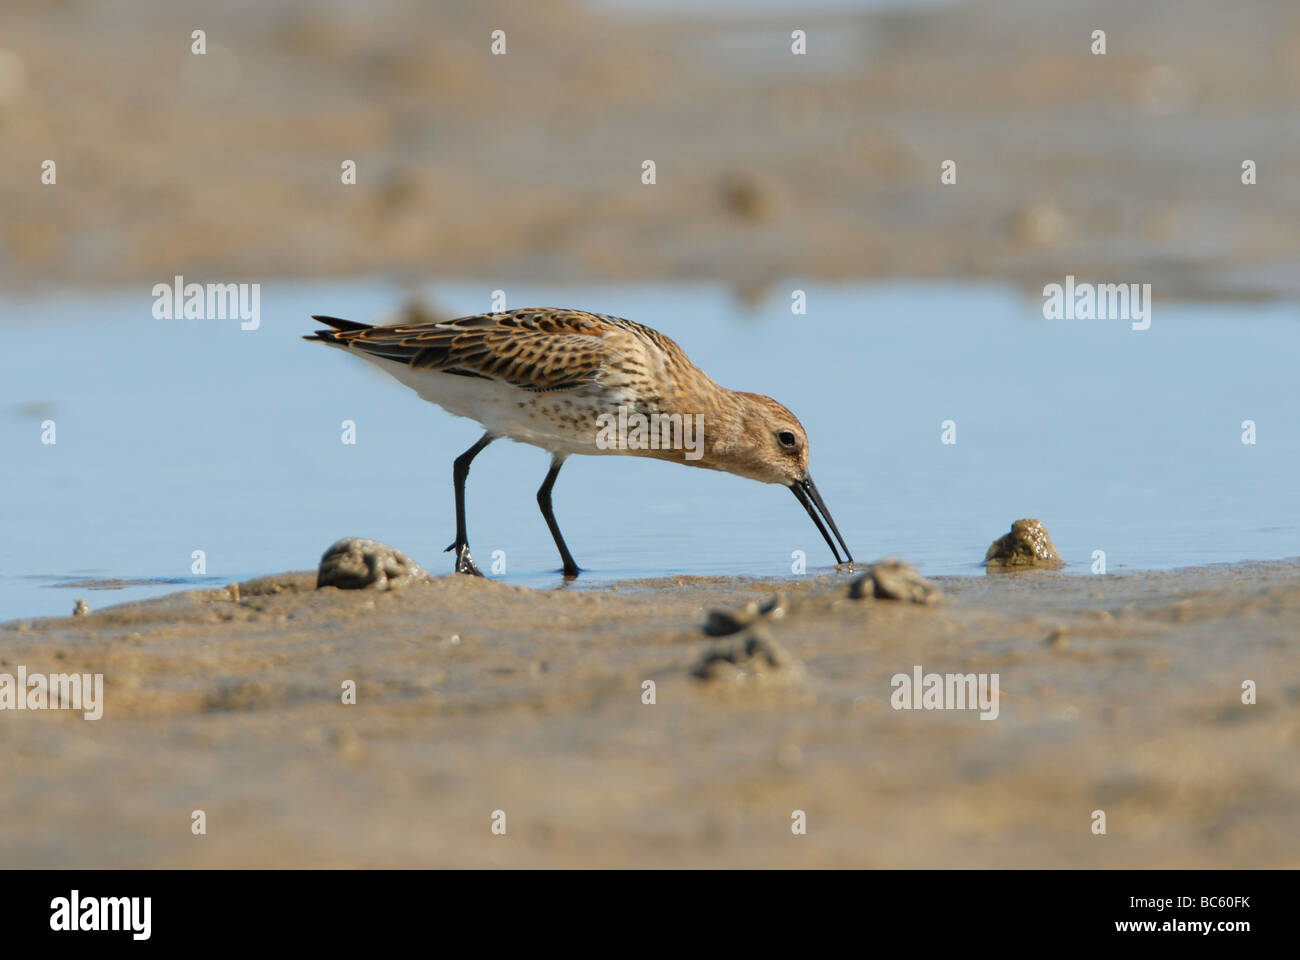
(771, 446)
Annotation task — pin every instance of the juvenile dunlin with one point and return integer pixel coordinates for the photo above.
(572, 382)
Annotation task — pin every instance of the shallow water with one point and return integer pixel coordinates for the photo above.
(182, 435)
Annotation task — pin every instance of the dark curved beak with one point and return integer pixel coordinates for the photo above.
(805, 491)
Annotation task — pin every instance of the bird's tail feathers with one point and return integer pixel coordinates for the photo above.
(327, 336)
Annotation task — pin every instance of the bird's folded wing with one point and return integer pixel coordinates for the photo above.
(534, 350)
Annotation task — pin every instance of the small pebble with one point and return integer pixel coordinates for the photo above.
(355, 564)
(1027, 545)
(892, 579)
(754, 656)
(722, 623)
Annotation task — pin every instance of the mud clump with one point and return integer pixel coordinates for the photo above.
(747, 196)
(753, 657)
(353, 564)
(1027, 545)
(892, 579)
(722, 623)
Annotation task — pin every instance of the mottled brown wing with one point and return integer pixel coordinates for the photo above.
(535, 349)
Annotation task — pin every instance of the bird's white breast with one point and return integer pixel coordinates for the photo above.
(561, 421)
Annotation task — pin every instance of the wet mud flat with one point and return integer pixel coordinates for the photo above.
(827, 165)
(478, 702)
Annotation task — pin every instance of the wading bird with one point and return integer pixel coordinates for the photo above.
(547, 377)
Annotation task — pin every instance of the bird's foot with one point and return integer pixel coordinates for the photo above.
(464, 561)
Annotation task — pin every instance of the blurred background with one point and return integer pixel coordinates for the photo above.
(527, 166)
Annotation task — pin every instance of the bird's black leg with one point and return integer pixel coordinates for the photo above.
(544, 501)
(459, 472)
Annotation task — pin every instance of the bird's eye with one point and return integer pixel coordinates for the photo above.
(786, 439)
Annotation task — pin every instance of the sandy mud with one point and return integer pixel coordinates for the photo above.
(1116, 693)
